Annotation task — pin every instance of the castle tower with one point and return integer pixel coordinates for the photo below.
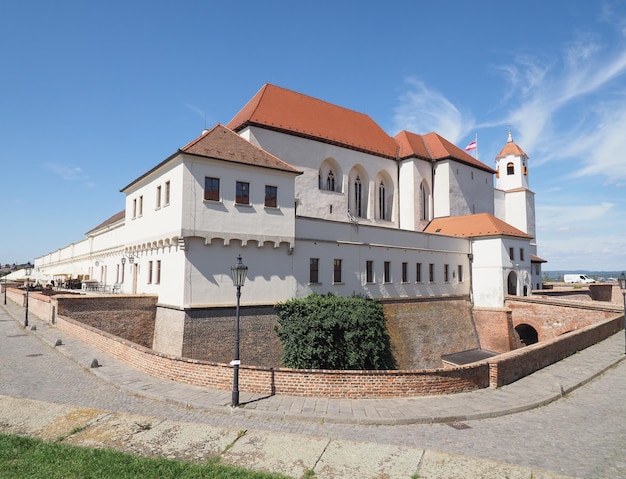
(514, 202)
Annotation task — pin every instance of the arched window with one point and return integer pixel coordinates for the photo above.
(382, 210)
(424, 204)
(510, 169)
(330, 181)
(358, 208)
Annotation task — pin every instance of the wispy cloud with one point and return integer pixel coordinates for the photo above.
(423, 110)
(70, 173)
(585, 75)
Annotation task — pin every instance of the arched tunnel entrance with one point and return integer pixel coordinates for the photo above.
(527, 334)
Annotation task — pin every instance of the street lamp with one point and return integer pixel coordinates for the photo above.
(28, 272)
(5, 289)
(239, 273)
(622, 286)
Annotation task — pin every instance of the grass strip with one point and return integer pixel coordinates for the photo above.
(28, 458)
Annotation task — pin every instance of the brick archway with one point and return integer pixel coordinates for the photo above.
(527, 334)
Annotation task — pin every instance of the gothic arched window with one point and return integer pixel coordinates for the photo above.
(358, 205)
(330, 181)
(382, 210)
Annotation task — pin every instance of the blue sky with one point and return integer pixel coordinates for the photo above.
(93, 94)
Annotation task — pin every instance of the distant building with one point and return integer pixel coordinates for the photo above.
(315, 198)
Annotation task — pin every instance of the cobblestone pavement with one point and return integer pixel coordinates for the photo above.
(581, 435)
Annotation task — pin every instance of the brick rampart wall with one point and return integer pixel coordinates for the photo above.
(554, 317)
(424, 330)
(495, 329)
(209, 335)
(509, 367)
(332, 384)
(129, 317)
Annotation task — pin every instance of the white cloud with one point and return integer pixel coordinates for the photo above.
(66, 172)
(422, 110)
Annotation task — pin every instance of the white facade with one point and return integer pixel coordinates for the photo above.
(359, 214)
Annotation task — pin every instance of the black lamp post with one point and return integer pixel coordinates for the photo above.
(239, 273)
(5, 289)
(622, 286)
(28, 272)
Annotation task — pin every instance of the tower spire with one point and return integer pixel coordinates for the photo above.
(510, 139)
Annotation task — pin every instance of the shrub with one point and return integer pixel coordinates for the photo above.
(331, 332)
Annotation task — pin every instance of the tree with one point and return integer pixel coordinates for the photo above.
(331, 332)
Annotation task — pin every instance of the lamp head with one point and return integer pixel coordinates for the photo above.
(622, 281)
(239, 272)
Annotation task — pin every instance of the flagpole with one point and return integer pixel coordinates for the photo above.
(476, 140)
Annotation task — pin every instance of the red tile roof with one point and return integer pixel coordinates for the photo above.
(471, 226)
(285, 110)
(537, 259)
(511, 148)
(434, 147)
(224, 144)
(112, 220)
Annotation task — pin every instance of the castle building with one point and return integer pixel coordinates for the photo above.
(315, 198)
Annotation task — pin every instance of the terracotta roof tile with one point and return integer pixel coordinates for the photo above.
(224, 144)
(112, 220)
(435, 147)
(537, 259)
(471, 226)
(286, 110)
(511, 148)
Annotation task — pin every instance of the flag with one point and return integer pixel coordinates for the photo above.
(471, 146)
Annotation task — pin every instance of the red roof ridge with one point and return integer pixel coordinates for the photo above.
(475, 225)
(435, 147)
(289, 111)
(222, 143)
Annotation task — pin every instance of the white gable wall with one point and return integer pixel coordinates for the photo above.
(309, 155)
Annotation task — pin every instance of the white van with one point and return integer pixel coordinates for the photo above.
(578, 278)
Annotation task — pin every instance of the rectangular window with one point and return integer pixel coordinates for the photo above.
(460, 272)
(271, 196)
(431, 272)
(511, 253)
(149, 272)
(314, 270)
(211, 189)
(242, 194)
(166, 200)
(446, 273)
(140, 205)
(418, 272)
(405, 272)
(135, 208)
(521, 254)
(337, 271)
(158, 196)
(157, 279)
(369, 271)
(387, 272)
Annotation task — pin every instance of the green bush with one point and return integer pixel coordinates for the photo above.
(331, 332)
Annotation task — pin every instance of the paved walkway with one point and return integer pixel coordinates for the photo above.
(540, 388)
